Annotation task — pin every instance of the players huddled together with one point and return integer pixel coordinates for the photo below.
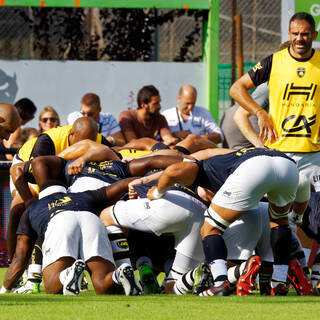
(155, 193)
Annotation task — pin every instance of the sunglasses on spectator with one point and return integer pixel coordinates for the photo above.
(44, 120)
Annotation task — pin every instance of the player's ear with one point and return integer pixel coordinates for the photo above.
(71, 136)
(314, 35)
(143, 105)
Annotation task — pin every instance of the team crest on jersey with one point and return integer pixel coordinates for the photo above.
(301, 72)
(258, 66)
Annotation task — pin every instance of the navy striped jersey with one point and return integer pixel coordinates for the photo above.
(142, 189)
(35, 219)
(213, 172)
(107, 171)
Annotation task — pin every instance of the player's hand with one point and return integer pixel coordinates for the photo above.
(132, 192)
(267, 131)
(76, 166)
(153, 193)
(170, 141)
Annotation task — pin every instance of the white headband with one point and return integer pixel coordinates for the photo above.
(51, 190)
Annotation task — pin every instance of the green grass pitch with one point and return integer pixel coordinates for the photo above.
(148, 307)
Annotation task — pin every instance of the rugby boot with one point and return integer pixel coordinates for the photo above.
(72, 284)
(128, 280)
(28, 288)
(148, 279)
(221, 290)
(202, 279)
(247, 281)
(298, 279)
(279, 290)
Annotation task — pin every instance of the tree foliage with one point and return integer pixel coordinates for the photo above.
(127, 34)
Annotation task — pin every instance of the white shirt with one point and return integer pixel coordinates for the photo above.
(200, 121)
(107, 124)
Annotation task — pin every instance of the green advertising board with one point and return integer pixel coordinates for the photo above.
(312, 7)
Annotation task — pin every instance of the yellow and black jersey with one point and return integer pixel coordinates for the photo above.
(51, 142)
(294, 99)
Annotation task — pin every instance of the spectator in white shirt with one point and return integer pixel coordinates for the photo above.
(187, 118)
(107, 124)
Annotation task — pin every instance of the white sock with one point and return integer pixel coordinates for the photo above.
(35, 272)
(235, 272)
(119, 245)
(279, 274)
(185, 283)
(218, 268)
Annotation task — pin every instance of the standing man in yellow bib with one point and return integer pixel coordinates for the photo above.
(293, 123)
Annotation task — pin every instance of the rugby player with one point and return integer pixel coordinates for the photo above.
(239, 180)
(73, 217)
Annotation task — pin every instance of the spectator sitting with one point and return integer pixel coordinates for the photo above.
(26, 110)
(233, 136)
(107, 124)
(48, 119)
(188, 118)
(146, 121)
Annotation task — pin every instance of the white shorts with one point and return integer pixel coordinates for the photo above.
(73, 234)
(250, 235)
(32, 186)
(277, 177)
(87, 183)
(176, 213)
(308, 163)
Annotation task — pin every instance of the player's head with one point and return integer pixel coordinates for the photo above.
(90, 106)
(26, 110)
(149, 99)
(83, 128)
(301, 33)
(9, 120)
(51, 187)
(187, 99)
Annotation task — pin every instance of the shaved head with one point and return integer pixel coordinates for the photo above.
(187, 89)
(83, 128)
(9, 120)
(187, 98)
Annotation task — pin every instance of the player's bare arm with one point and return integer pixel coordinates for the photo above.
(139, 167)
(89, 151)
(184, 173)
(20, 261)
(21, 183)
(241, 118)
(239, 92)
(208, 153)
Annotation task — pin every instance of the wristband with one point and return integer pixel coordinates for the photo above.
(156, 194)
(188, 160)
(3, 290)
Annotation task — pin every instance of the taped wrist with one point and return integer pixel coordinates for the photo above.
(156, 194)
